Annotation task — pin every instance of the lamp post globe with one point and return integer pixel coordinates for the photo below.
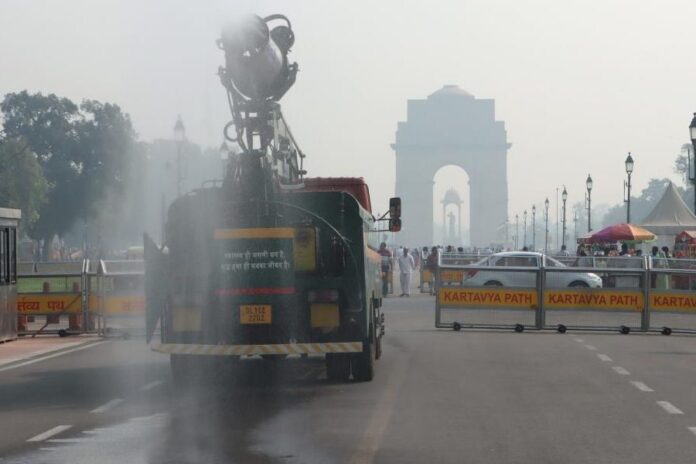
(179, 130)
(629, 163)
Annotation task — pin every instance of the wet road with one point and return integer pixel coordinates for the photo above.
(439, 396)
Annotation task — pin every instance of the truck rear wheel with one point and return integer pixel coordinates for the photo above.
(364, 363)
(337, 367)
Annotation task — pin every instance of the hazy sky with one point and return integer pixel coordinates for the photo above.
(578, 83)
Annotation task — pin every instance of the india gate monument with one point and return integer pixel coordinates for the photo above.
(452, 127)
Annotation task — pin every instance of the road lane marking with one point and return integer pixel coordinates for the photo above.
(591, 347)
(669, 407)
(54, 355)
(692, 430)
(579, 340)
(641, 386)
(71, 440)
(107, 406)
(620, 370)
(381, 414)
(604, 357)
(151, 385)
(48, 448)
(50, 432)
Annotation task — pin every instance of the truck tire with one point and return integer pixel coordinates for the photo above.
(337, 367)
(364, 363)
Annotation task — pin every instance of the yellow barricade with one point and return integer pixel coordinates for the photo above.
(601, 299)
(123, 304)
(673, 301)
(490, 297)
(28, 305)
(447, 276)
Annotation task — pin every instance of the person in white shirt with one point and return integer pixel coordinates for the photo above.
(406, 266)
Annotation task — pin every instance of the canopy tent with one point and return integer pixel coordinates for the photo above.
(621, 233)
(670, 216)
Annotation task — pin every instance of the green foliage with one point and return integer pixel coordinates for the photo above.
(22, 183)
(84, 153)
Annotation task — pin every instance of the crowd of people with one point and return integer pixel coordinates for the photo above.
(624, 250)
(407, 261)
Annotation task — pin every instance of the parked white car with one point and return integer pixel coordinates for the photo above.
(526, 279)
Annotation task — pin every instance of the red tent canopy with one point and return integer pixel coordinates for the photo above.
(622, 233)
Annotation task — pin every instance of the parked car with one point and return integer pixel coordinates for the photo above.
(526, 279)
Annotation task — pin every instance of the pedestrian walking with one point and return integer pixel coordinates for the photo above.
(431, 265)
(416, 258)
(406, 266)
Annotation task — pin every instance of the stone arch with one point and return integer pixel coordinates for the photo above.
(452, 127)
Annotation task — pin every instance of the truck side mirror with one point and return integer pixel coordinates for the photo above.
(395, 209)
(394, 225)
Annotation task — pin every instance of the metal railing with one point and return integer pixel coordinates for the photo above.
(589, 293)
(91, 293)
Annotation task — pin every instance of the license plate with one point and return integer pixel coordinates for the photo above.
(255, 314)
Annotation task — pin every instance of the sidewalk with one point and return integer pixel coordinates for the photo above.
(25, 348)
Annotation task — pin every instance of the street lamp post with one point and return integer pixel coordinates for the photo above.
(588, 202)
(524, 241)
(517, 231)
(556, 243)
(546, 225)
(627, 186)
(179, 138)
(564, 197)
(575, 223)
(692, 178)
(533, 227)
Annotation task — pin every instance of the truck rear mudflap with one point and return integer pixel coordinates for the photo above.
(252, 350)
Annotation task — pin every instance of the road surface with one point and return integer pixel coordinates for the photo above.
(439, 396)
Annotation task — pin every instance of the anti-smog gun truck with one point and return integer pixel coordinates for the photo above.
(268, 262)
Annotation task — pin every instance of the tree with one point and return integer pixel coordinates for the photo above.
(84, 153)
(22, 183)
(640, 206)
